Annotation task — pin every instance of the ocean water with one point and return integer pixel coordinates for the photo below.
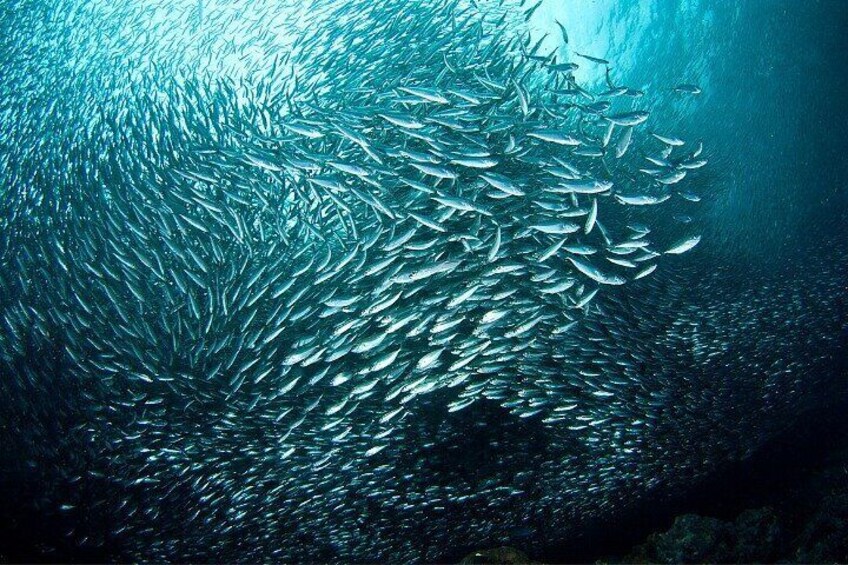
(390, 281)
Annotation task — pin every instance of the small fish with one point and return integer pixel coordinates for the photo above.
(673, 177)
(563, 32)
(684, 245)
(590, 219)
(556, 228)
(563, 68)
(593, 273)
(593, 59)
(428, 94)
(502, 183)
(554, 136)
(496, 245)
(581, 186)
(641, 199)
(671, 141)
(624, 142)
(529, 13)
(629, 119)
(688, 89)
(645, 272)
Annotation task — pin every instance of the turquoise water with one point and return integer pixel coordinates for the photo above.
(381, 281)
(772, 94)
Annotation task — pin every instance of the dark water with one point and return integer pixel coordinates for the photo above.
(740, 347)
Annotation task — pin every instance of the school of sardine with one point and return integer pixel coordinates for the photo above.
(258, 241)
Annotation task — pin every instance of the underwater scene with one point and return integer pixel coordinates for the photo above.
(423, 281)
